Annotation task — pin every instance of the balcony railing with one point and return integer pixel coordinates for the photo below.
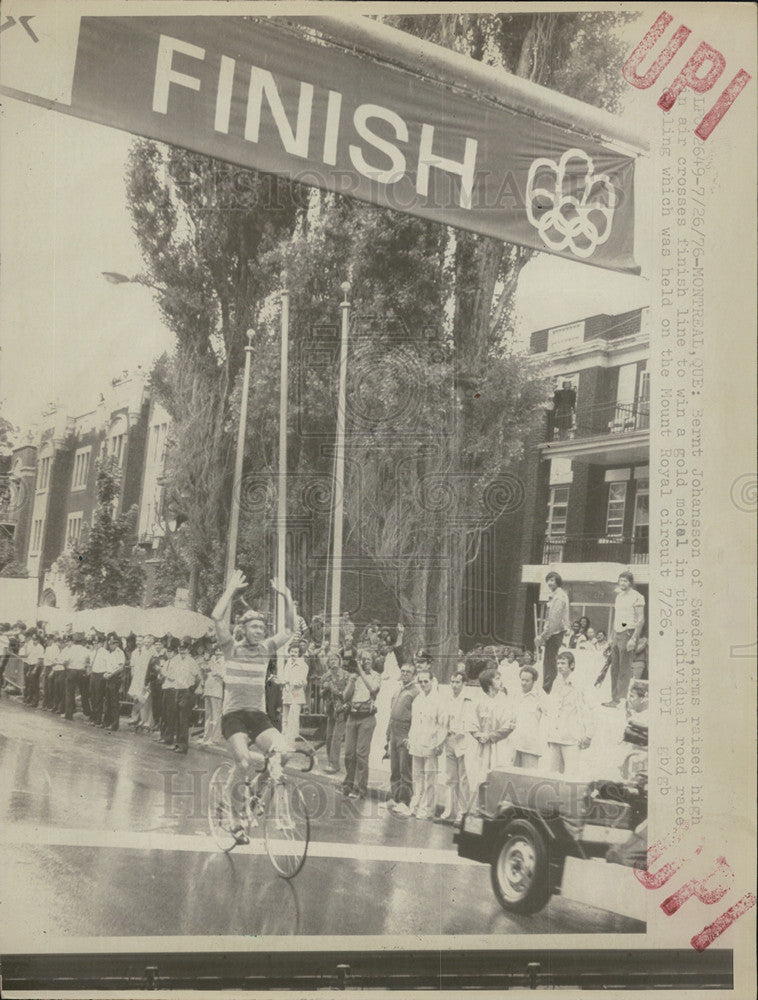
(591, 548)
(607, 418)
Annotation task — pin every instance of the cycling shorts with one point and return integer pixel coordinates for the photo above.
(247, 721)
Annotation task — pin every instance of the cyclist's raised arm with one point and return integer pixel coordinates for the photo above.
(280, 639)
(220, 613)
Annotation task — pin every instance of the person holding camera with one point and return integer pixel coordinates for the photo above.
(360, 695)
(333, 684)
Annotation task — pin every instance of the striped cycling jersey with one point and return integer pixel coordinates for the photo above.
(245, 670)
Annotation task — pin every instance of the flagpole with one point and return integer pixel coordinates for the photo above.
(339, 476)
(234, 517)
(281, 521)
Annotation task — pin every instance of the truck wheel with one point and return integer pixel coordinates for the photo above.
(519, 868)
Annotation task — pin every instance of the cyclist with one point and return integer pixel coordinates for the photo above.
(243, 716)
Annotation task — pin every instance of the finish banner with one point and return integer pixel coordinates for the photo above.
(262, 93)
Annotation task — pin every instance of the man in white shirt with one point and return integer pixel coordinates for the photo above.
(168, 697)
(76, 659)
(33, 655)
(628, 622)
(138, 661)
(52, 653)
(185, 675)
(509, 669)
(531, 705)
(98, 669)
(426, 741)
(460, 719)
(113, 679)
(58, 678)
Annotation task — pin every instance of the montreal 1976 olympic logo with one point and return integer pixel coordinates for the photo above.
(578, 218)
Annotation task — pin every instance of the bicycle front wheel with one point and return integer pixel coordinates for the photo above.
(286, 828)
(220, 815)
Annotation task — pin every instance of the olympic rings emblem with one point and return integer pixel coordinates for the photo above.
(562, 220)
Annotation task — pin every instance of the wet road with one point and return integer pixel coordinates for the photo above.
(105, 835)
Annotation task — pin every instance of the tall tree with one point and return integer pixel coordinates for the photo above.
(204, 228)
(105, 571)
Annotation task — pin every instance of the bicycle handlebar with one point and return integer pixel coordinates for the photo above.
(308, 752)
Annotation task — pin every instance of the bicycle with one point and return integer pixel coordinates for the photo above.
(276, 805)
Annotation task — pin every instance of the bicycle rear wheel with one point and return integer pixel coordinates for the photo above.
(286, 827)
(220, 815)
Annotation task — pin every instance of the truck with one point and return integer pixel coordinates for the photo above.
(539, 831)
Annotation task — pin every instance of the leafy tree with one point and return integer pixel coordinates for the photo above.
(204, 228)
(472, 280)
(105, 571)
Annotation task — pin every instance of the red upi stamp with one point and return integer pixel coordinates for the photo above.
(709, 890)
(699, 74)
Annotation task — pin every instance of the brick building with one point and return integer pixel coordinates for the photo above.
(585, 479)
(55, 477)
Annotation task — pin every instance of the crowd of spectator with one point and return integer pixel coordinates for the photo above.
(502, 707)
(164, 679)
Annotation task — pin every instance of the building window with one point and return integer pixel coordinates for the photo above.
(643, 398)
(643, 394)
(81, 468)
(641, 529)
(74, 529)
(557, 510)
(36, 534)
(117, 447)
(159, 444)
(555, 534)
(44, 473)
(614, 521)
